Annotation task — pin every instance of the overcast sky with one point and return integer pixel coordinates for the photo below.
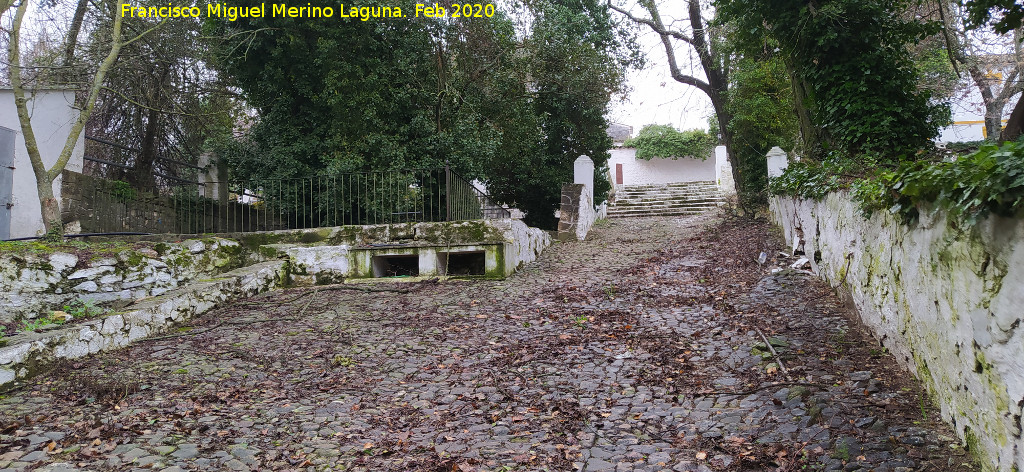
(655, 97)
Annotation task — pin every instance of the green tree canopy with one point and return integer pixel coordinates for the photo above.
(514, 109)
(664, 141)
(854, 81)
(761, 104)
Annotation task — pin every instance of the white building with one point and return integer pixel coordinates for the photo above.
(626, 169)
(52, 113)
(969, 108)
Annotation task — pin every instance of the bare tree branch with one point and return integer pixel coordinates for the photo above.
(658, 27)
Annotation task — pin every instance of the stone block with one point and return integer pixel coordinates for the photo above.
(87, 286)
(90, 273)
(62, 261)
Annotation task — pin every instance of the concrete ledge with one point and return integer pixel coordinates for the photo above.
(30, 353)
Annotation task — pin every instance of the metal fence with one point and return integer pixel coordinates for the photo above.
(361, 198)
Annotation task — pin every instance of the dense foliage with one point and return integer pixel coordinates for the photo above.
(807, 179)
(664, 141)
(514, 111)
(854, 78)
(989, 181)
(761, 106)
(1007, 14)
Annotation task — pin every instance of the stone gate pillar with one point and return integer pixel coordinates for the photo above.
(777, 161)
(583, 173)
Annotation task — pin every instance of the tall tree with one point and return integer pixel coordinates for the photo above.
(761, 104)
(167, 104)
(513, 108)
(698, 37)
(50, 206)
(1003, 16)
(852, 74)
(993, 62)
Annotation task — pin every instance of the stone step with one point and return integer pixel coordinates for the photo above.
(704, 183)
(677, 212)
(659, 206)
(663, 194)
(668, 192)
(677, 199)
(642, 201)
(709, 188)
(664, 207)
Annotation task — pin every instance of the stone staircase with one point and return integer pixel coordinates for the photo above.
(684, 198)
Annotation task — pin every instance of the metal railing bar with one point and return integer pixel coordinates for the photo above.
(111, 143)
(101, 161)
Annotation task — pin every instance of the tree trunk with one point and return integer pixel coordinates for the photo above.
(810, 135)
(72, 40)
(1015, 125)
(49, 206)
(142, 176)
(994, 120)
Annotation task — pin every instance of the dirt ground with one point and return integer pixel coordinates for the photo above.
(657, 344)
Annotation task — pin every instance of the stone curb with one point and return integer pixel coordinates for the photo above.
(34, 352)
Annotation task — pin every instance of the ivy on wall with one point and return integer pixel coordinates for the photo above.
(969, 188)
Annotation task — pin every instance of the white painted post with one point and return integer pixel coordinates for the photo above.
(723, 171)
(583, 173)
(777, 162)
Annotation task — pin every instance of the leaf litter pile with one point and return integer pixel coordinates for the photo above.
(657, 343)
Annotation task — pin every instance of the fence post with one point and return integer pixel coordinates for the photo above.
(447, 191)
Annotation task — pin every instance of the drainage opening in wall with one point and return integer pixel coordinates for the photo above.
(462, 263)
(396, 266)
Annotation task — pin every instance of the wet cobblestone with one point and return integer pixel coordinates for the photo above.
(613, 354)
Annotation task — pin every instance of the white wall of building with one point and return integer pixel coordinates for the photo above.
(659, 171)
(969, 113)
(53, 114)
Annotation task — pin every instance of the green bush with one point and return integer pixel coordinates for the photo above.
(122, 191)
(666, 142)
(808, 179)
(990, 181)
(970, 188)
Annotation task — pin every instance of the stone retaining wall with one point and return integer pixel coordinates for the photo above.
(31, 352)
(33, 283)
(576, 215)
(947, 301)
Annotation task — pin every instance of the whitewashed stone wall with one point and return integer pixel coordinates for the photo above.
(660, 171)
(523, 244)
(948, 302)
(33, 284)
(30, 352)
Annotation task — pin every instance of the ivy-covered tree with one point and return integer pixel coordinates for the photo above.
(853, 81)
(761, 105)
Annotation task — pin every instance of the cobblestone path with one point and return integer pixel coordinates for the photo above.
(638, 349)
